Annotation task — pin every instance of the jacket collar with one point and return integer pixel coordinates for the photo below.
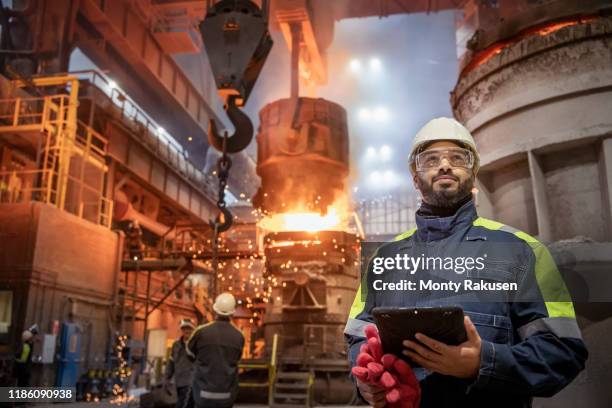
(436, 228)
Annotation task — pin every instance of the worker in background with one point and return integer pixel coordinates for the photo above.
(14, 187)
(134, 241)
(216, 348)
(514, 350)
(180, 366)
(22, 369)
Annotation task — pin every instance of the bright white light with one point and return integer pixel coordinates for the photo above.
(160, 129)
(385, 153)
(370, 152)
(381, 114)
(112, 84)
(375, 64)
(365, 114)
(375, 177)
(389, 176)
(355, 65)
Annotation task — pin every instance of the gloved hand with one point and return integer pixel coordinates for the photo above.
(388, 372)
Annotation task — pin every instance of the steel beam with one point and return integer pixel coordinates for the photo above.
(110, 29)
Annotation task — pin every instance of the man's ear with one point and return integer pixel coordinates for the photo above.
(415, 181)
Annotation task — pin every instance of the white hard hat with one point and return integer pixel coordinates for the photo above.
(186, 323)
(225, 304)
(443, 129)
(26, 335)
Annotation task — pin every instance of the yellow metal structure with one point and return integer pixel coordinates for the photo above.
(68, 148)
(270, 367)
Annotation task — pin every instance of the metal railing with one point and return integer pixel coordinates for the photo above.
(33, 113)
(270, 367)
(51, 122)
(163, 144)
(27, 185)
(22, 186)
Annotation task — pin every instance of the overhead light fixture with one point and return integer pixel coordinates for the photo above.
(375, 64)
(385, 152)
(381, 114)
(365, 114)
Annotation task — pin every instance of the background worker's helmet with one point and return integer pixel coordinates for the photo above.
(26, 335)
(443, 129)
(225, 304)
(186, 323)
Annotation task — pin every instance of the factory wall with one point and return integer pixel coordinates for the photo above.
(61, 269)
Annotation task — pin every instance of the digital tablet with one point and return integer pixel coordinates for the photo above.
(395, 325)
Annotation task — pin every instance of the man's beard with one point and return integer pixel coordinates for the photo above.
(444, 198)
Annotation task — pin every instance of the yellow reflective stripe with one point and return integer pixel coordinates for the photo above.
(25, 353)
(549, 279)
(197, 329)
(405, 235)
(359, 303)
(236, 327)
(488, 224)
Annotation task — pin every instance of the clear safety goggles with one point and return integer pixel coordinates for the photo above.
(456, 156)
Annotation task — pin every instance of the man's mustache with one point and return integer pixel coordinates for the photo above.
(449, 175)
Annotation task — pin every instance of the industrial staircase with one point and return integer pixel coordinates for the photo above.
(268, 367)
(291, 389)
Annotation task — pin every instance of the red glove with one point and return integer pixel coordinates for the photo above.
(387, 371)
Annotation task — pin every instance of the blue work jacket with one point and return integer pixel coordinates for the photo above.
(531, 344)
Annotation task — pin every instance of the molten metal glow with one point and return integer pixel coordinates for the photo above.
(303, 221)
(548, 28)
(556, 27)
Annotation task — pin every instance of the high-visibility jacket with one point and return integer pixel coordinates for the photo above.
(23, 364)
(217, 348)
(531, 348)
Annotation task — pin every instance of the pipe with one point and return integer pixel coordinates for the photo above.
(125, 211)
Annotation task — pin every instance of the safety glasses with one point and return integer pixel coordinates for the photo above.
(456, 156)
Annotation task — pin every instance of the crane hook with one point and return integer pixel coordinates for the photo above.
(244, 129)
(223, 221)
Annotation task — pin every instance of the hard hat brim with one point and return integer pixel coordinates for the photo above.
(219, 312)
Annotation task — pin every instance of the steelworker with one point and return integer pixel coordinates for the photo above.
(517, 348)
(217, 347)
(22, 369)
(180, 366)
